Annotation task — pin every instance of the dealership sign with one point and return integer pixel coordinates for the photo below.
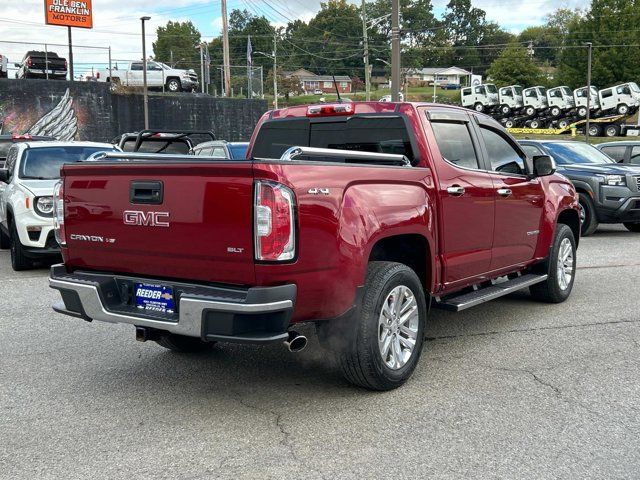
(69, 13)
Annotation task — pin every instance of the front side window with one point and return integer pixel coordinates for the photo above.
(504, 157)
(136, 66)
(455, 143)
(530, 93)
(45, 163)
(635, 155)
(506, 92)
(616, 152)
(532, 150)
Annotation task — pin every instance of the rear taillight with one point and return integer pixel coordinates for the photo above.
(274, 222)
(98, 75)
(58, 214)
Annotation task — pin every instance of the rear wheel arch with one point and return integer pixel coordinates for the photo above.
(412, 250)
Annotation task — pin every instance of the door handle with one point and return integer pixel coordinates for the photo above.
(146, 192)
(504, 192)
(455, 190)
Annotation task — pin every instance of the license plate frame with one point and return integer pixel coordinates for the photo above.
(154, 298)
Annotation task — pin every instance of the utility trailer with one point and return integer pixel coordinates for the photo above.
(608, 126)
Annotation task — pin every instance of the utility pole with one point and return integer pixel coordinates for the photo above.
(365, 38)
(70, 55)
(589, 50)
(144, 75)
(395, 50)
(225, 50)
(275, 71)
(201, 69)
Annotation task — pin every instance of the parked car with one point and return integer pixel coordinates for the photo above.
(627, 152)
(4, 67)
(318, 91)
(26, 197)
(351, 216)
(158, 75)
(451, 86)
(609, 192)
(36, 64)
(7, 140)
(161, 141)
(222, 149)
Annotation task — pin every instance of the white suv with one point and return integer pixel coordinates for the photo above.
(26, 197)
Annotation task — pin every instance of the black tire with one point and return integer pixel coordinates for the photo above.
(622, 109)
(582, 112)
(505, 110)
(563, 123)
(529, 111)
(478, 107)
(612, 131)
(360, 357)
(509, 124)
(183, 344)
(535, 124)
(5, 241)
(19, 261)
(632, 227)
(174, 85)
(553, 290)
(555, 111)
(595, 130)
(589, 220)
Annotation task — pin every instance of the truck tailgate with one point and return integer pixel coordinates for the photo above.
(201, 229)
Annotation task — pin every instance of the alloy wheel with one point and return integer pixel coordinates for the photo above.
(398, 327)
(565, 264)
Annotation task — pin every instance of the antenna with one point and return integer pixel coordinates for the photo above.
(335, 84)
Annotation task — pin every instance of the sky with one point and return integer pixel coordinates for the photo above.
(117, 23)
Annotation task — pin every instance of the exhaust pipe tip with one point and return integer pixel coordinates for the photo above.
(295, 342)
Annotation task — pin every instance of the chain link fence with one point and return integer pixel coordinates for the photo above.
(87, 59)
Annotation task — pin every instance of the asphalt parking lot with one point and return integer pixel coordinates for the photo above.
(510, 389)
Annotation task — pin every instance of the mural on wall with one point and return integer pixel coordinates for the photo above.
(61, 122)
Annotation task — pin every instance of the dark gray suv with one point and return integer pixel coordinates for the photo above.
(609, 192)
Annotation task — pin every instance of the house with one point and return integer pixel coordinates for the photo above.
(439, 75)
(310, 82)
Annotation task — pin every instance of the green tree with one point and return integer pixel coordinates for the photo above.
(514, 66)
(178, 40)
(612, 27)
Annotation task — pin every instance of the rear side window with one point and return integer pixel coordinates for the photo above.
(606, 93)
(616, 152)
(455, 144)
(12, 157)
(362, 134)
(503, 156)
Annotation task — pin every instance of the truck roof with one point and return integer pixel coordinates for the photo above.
(361, 108)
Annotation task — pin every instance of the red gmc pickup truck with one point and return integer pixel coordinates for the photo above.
(357, 217)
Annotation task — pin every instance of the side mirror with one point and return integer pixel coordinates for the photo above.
(4, 175)
(543, 165)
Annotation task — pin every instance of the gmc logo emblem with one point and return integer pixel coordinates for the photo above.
(146, 219)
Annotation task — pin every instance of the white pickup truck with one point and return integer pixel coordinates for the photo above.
(158, 75)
